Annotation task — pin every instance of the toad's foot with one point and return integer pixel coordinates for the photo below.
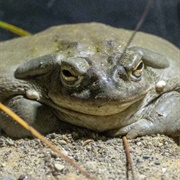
(36, 114)
(163, 119)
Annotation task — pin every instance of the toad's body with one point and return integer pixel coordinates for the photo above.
(76, 73)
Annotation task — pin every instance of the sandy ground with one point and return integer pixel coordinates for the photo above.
(154, 158)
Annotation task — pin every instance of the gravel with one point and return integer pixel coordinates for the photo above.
(156, 157)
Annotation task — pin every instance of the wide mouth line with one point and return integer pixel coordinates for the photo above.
(106, 110)
(72, 111)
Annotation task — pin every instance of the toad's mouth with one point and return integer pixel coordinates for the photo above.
(91, 108)
(95, 111)
(97, 121)
(110, 115)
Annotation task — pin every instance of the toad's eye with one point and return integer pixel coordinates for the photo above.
(73, 71)
(137, 71)
(69, 75)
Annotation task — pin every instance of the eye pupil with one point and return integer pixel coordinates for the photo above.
(137, 72)
(140, 66)
(68, 76)
(67, 73)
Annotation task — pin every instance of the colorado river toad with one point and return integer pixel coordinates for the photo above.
(78, 74)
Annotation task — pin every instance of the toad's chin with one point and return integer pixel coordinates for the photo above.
(92, 108)
(97, 121)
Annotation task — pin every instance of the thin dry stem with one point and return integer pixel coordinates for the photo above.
(128, 155)
(14, 29)
(44, 140)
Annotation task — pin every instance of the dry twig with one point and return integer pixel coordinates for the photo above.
(44, 140)
(128, 155)
(14, 29)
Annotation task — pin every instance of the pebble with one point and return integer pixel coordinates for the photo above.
(139, 143)
(157, 163)
(106, 159)
(64, 152)
(58, 166)
(62, 142)
(146, 156)
(3, 164)
(66, 139)
(87, 142)
(7, 178)
(22, 177)
(164, 170)
(110, 141)
(53, 154)
(141, 177)
(2, 143)
(10, 142)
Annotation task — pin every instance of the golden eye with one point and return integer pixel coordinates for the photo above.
(137, 71)
(69, 75)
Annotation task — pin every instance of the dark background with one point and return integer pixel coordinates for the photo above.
(36, 15)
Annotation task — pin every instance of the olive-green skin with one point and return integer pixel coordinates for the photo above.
(79, 74)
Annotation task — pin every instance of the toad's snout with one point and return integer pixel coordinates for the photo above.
(110, 85)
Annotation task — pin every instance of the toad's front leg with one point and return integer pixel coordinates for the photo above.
(36, 114)
(164, 118)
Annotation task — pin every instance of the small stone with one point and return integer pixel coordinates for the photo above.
(157, 163)
(7, 178)
(140, 176)
(2, 143)
(65, 153)
(10, 142)
(88, 141)
(139, 143)
(146, 156)
(163, 170)
(53, 154)
(62, 142)
(110, 141)
(3, 164)
(65, 138)
(160, 145)
(22, 177)
(58, 166)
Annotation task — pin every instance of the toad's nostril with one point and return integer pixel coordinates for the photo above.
(119, 73)
(95, 86)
